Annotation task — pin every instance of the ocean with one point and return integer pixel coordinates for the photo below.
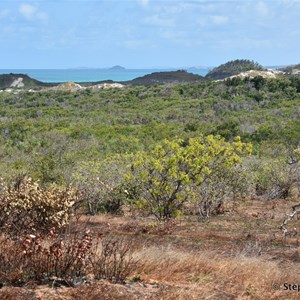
(90, 75)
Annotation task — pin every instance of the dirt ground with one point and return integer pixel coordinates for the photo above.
(241, 254)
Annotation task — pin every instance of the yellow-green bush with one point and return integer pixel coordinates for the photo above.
(176, 171)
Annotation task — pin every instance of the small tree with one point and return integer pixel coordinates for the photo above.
(173, 172)
(101, 183)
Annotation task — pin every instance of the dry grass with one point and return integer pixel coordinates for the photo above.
(238, 277)
(239, 255)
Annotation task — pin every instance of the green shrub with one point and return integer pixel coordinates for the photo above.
(101, 184)
(174, 171)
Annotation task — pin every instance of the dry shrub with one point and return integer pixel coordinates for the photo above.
(64, 259)
(115, 261)
(26, 207)
(10, 261)
(42, 258)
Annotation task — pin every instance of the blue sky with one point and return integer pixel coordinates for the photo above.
(147, 33)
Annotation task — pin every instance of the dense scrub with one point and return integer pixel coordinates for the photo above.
(90, 138)
(48, 134)
(65, 137)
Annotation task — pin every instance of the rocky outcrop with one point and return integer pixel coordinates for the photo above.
(67, 86)
(254, 73)
(17, 83)
(105, 86)
(21, 81)
(72, 86)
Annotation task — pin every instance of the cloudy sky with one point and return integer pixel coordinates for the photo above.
(147, 33)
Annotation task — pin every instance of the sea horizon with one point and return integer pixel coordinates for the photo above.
(94, 74)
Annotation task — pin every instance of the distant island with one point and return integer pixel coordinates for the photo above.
(117, 68)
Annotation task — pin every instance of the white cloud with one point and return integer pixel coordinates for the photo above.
(158, 21)
(28, 11)
(262, 9)
(31, 12)
(143, 3)
(219, 20)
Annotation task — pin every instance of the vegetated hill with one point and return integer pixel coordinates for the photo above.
(232, 68)
(291, 70)
(179, 76)
(17, 81)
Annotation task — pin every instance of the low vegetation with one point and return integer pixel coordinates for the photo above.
(169, 191)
